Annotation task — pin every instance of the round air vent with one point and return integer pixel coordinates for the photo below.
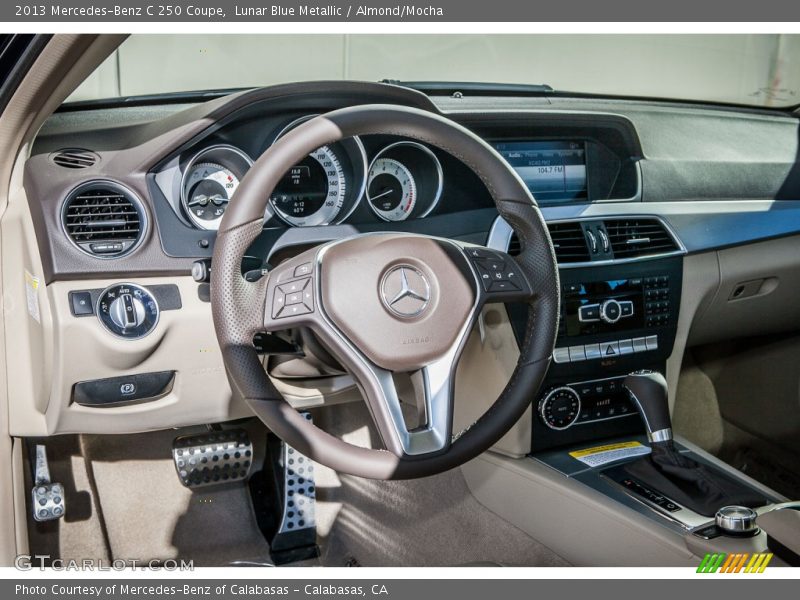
(74, 158)
(104, 219)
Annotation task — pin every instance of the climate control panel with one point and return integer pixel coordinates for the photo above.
(575, 404)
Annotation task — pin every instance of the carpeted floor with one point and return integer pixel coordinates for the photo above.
(433, 521)
(124, 501)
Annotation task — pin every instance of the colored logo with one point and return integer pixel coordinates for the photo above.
(720, 562)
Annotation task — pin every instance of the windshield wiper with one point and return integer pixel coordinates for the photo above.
(475, 88)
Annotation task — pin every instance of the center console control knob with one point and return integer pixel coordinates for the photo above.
(736, 521)
(127, 310)
(610, 311)
(560, 408)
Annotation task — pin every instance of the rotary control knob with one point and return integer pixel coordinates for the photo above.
(560, 408)
(127, 310)
(610, 311)
(736, 520)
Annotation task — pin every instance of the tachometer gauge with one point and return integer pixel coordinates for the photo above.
(391, 189)
(404, 181)
(313, 191)
(208, 189)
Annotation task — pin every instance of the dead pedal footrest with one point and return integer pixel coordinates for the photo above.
(213, 458)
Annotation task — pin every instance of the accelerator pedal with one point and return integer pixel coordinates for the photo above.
(284, 498)
(213, 458)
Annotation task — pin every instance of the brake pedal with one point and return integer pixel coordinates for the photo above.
(48, 502)
(213, 458)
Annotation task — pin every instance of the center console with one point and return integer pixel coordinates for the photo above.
(615, 319)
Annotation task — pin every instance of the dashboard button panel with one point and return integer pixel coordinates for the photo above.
(609, 349)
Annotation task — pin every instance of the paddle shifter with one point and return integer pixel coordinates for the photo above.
(673, 473)
(648, 390)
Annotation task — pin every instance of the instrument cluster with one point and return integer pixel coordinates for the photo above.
(395, 181)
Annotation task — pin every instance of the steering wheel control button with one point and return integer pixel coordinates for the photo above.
(498, 273)
(303, 270)
(293, 299)
(81, 303)
(127, 310)
(737, 521)
(405, 291)
(560, 407)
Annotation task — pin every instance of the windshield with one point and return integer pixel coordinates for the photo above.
(759, 70)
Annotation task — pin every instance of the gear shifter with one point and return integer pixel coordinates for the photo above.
(698, 487)
(648, 390)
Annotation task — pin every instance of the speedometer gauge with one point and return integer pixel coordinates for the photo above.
(313, 191)
(391, 189)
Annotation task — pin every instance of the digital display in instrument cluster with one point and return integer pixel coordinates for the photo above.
(553, 171)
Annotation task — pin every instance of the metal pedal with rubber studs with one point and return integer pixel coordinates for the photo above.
(213, 458)
(299, 491)
(47, 498)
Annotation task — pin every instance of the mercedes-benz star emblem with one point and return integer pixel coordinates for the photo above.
(405, 291)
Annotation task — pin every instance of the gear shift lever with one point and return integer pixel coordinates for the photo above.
(648, 390)
(677, 476)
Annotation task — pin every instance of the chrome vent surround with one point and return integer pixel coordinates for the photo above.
(637, 237)
(103, 219)
(75, 158)
(603, 240)
(568, 241)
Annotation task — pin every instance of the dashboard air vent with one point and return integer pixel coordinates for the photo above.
(569, 242)
(514, 245)
(632, 238)
(103, 219)
(75, 158)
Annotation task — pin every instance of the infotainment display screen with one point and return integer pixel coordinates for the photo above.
(554, 171)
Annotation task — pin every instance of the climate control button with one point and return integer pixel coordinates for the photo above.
(560, 408)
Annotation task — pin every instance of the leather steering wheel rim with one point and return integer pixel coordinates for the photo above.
(239, 307)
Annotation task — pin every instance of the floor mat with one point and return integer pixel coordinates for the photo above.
(150, 515)
(433, 521)
(763, 468)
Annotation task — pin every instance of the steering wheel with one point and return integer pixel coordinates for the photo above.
(385, 303)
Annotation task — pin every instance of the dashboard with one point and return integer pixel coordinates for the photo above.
(122, 202)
